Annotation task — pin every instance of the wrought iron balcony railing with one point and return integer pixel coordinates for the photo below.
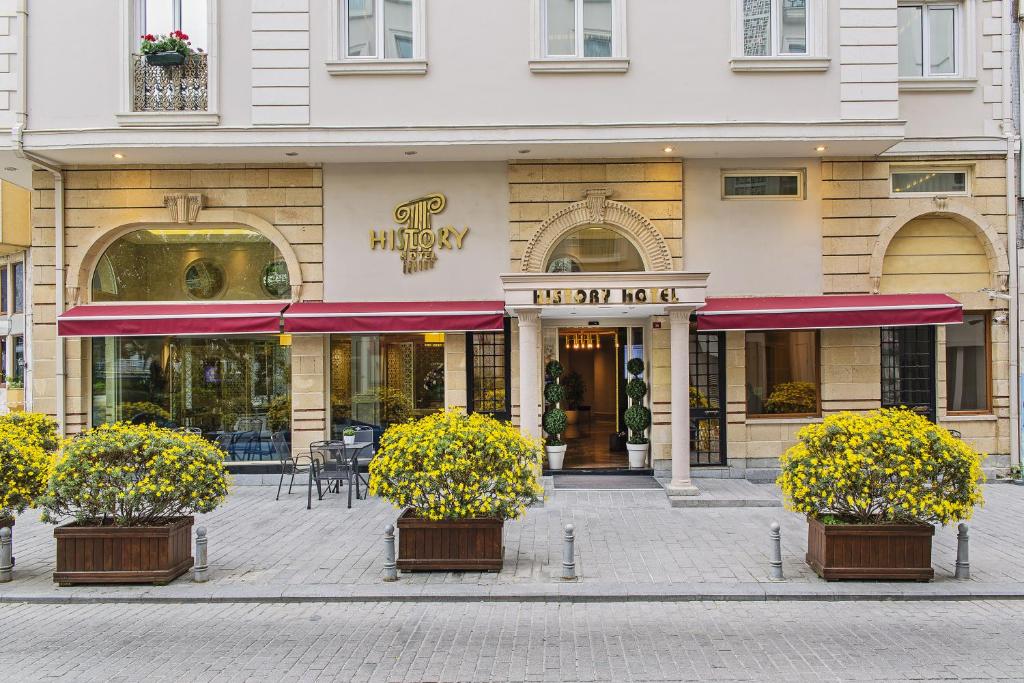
(183, 87)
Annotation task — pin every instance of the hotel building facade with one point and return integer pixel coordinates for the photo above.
(352, 212)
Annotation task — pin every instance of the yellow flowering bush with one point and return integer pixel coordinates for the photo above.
(450, 465)
(24, 469)
(134, 475)
(793, 397)
(887, 466)
(39, 426)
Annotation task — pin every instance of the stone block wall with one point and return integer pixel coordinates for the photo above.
(538, 190)
(99, 200)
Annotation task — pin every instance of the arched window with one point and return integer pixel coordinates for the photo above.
(191, 264)
(594, 249)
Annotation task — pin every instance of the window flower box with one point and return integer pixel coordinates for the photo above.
(168, 58)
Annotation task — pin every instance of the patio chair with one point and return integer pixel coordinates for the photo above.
(362, 454)
(329, 467)
(297, 465)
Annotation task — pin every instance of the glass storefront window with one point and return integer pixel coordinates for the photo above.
(782, 372)
(236, 390)
(378, 380)
(595, 250)
(967, 365)
(175, 264)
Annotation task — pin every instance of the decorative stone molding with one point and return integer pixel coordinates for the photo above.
(597, 209)
(991, 241)
(71, 295)
(183, 208)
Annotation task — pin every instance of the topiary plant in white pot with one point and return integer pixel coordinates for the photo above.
(554, 417)
(638, 416)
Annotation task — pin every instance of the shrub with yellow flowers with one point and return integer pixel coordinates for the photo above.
(134, 475)
(24, 469)
(450, 465)
(39, 426)
(887, 466)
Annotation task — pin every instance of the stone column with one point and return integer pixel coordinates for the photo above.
(529, 357)
(681, 484)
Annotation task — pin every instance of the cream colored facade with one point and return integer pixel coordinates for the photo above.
(313, 151)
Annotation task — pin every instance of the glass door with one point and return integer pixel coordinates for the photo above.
(707, 399)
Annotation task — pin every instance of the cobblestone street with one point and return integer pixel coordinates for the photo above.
(795, 641)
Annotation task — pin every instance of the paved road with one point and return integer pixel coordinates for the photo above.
(514, 641)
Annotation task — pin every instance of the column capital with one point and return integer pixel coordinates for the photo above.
(527, 315)
(680, 314)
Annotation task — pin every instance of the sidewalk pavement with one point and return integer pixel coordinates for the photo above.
(630, 545)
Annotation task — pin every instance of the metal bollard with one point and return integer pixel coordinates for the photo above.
(390, 568)
(569, 554)
(963, 563)
(6, 561)
(200, 573)
(776, 559)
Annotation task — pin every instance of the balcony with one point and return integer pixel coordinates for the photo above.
(177, 88)
(168, 96)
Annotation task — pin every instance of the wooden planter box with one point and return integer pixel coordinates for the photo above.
(110, 554)
(449, 545)
(891, 552)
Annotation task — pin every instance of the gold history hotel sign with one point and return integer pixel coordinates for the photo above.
(418, 241)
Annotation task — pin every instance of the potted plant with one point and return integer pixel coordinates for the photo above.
(15, 394)
(166, 50)
(129, 492)
(573, 388)
(554, 419)
(349, 436)
(638, 416)
(25, 461)
(457, 478)
(872, 486)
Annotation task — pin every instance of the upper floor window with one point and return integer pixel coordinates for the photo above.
(580, 35)
(578, 28)
(930, 39)
(379, 36)
(164, 16)
(775, 27)
(198, 264)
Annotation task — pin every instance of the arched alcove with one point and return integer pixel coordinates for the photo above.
(951, 249)
(596, 210)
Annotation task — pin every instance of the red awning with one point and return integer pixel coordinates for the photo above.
(829, 311)
(375, 316)
(123, 320)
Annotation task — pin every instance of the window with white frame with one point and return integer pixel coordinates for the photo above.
(581, 29)
(164, 16)
(930, 181)
(772, 28)
(381, 29)
(763, 184)
(930, 39)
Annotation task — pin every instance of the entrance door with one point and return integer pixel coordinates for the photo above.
(707, 399)
(593, 382)
(908, 368)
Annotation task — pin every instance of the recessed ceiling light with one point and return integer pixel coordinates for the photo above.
(411, 153)
(118, 155)
(524, 151)
(291, 154)
(820, 148)
(669, 150)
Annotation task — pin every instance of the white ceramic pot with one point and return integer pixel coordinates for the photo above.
(349, 440)
(556, 455)
(637, 455)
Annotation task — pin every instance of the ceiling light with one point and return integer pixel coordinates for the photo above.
(10, 169)
(820, 148)
(118, 155)
(524, 151)
(291, 154)
(411, 153)
(669, 150)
